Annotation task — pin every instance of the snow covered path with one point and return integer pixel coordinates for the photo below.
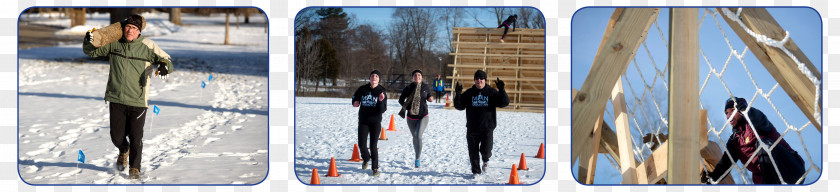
(327, 127)
(215, 135)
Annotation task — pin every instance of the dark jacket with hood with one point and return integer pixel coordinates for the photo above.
(425, 93)
(370, 108)
(481, 107)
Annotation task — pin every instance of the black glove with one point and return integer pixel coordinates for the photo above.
(704, 177)
(500, 84)
(458, 88)
(162, 71)
(88, 37)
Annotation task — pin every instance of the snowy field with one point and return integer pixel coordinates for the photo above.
(215, 135)
(327, 127)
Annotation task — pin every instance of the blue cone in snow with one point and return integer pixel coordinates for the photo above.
(202, 84)
(156, 110)
(211, 77)
(81, 157)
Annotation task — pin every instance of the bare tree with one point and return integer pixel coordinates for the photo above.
(227, 26)
(77, 16)
(175, 16)
(530, 18)
(307, 58)
(452, 17)
(414, 31)
(370, 51)
(474, 14)
(501, 14)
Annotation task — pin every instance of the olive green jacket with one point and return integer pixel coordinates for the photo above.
(130, 68)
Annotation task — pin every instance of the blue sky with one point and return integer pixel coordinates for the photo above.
(380, 18)
(804, 25)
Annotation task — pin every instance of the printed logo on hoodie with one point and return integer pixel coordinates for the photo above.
(369, 100)
(479, 101)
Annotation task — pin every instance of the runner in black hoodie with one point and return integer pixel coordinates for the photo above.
(511, 20)
(372, 102)
(480, 101)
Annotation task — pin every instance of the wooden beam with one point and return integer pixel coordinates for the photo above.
(608, 138)
(589, 158)
(470, 78)
(711, 155)
(495, 55)
(656, 165)
(523, 31)
(622, 129)
(780, 66)
(684, 106)
(625, 146)
(498, 66)
(611, 60)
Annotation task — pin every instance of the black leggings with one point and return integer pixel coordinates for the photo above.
(790, 165)
(479, 142)
(506, 29)
(128, 121)
(372, 130)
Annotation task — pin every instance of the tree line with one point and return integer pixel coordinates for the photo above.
(78, 16)
(331, 45)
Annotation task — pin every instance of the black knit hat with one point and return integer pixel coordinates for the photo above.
(136, 20)
(416, 71)
(375, 72)
(742, 103)
(480, 75)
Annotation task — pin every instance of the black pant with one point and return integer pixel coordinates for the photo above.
(790, 165)
(479, 142)
(128, 121)
(438, 95)
(372, 130)
(506, 29)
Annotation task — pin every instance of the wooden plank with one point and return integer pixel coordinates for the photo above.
(589, 158)
(608, 137)
(498, 67)
(470, 78)
(498, 31)
(704, 128)
(496, 55)
(614, 54)
(780, 66)
(684, 106)
(501, 45)
(622, 129)
(656, 165)
(711, 154)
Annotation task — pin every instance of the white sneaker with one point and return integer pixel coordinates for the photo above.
(484, 168)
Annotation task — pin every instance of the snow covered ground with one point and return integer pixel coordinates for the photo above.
(327, 127)
(215, 135)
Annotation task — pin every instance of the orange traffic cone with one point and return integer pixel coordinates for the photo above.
(447, 100)
(355, 157)
(541, 153)
(514, 176)
(382, 135)
(333, 171)
(315, 180)
(522, 165)
(391, 127)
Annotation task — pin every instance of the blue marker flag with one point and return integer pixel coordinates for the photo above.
(81, 156)
(211, 77)
(202, 84)
(156, 110)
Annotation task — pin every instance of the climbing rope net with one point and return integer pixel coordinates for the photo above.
(654, 123)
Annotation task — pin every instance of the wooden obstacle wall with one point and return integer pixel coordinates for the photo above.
(519, 62)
